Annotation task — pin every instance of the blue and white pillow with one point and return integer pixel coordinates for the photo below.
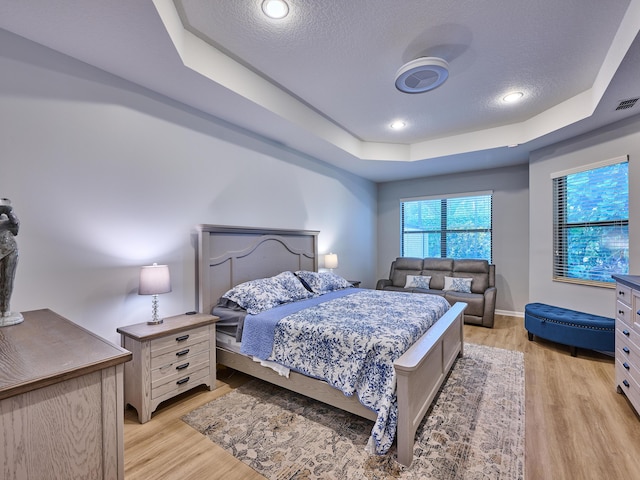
(256, 296)
(454, 284)
(323, 282)
(417, 281)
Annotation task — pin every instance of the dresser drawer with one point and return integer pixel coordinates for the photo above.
(179, 368)
(172, 343)
(181, 384)
(628, 355)
(181, 353)
(624, 313)
(623, 293)
(628, 385)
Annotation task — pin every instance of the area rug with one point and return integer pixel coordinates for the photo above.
(473, 430)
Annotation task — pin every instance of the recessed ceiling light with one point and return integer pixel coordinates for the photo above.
(398, 125)
(512, 97)
(275, 8)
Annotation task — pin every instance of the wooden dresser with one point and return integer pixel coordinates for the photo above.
(168, 358)
(628, 337)
(61, 401)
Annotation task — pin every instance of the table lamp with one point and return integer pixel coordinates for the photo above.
(154, 279)
(331, 261)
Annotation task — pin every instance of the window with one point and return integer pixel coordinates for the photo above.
(591, 223)
(447, 227)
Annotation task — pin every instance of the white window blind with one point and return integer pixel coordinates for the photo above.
(451, 226)
(591, 223)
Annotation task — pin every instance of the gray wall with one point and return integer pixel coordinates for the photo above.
(510, 224)
(106, 176)
(616, 140)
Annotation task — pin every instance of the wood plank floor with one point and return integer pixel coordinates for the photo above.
(577, 426)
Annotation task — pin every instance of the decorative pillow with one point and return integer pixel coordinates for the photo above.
(417, 281)
(323, 282)
(256, 296)
(292, 285)
(455, 284)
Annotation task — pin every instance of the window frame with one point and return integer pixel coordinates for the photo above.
(443, 230)
(561, 226)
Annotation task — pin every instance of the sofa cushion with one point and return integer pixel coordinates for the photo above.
(437, 269)
(477, 270)
(474, 301)
(405, 266)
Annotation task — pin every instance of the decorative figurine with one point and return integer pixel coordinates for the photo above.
(9, 226)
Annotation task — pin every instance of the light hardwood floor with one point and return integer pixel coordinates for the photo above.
(577, 426)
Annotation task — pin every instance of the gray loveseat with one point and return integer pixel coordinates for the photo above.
(482, 299)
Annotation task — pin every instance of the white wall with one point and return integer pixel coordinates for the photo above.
(510, 224)
(106, 176)
(616, 140)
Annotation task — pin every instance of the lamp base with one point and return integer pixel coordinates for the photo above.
(154, 322)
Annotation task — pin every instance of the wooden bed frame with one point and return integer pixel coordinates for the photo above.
(229, 255)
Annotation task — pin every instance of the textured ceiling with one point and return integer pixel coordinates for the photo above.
(321, 81)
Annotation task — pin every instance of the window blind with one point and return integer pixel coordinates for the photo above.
(591, 224)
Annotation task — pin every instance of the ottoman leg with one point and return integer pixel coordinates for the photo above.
(574, 351)
(530, 335)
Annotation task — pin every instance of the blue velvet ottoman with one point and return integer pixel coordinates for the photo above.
(570, 327)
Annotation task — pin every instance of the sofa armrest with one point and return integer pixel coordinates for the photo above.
(384, 282)
(489, 307)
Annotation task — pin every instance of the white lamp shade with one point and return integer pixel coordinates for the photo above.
(154, 279)
(331, 260)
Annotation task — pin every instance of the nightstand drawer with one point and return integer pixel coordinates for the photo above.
(172, 343)
(179, 354)
(179, 385)
(179, 368)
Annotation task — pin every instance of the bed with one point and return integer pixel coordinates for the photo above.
(228, 256)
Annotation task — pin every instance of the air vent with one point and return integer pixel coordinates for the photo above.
(625, 104)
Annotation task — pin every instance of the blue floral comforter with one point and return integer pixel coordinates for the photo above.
(351, 342)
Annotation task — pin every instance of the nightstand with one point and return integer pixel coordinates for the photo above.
(355, 283)
(168, 358)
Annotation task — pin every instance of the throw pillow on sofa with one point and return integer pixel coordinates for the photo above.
(417, 281)
(454, 284)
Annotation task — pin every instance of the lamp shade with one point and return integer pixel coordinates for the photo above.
(331, 260)
(154, 279)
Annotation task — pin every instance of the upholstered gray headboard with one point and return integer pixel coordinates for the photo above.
(230, 255)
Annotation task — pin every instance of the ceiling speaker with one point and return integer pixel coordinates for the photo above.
(422, 74)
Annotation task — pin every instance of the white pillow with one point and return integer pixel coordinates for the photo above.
(455, 284)
(417, 281)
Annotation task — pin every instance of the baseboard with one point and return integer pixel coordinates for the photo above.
(510, 314)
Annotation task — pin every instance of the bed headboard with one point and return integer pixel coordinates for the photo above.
(229, 255)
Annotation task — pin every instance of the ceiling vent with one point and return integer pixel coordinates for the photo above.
(422, 74)
(625, 104)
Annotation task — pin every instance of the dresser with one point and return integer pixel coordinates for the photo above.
(628, 337)
(168, 358)
(61, 401)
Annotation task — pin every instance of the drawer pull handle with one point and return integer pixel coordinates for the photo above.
(625, 365)
(620, 312)
(181, 353)
(182, 338)
(183, 366)
(625, 383)
(186, 379)
(625, 349)
(626, 332)
(621, 293)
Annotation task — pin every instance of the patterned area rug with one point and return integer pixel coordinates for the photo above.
(473, 430)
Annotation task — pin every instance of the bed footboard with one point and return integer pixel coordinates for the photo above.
(420, 373)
